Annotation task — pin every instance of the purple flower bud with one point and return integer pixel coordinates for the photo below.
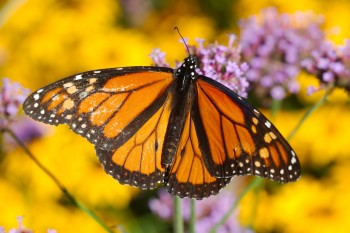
(294, 87)
(307, 64)
(322, 63)
(328, 76)
(278, 93)
(337, 67)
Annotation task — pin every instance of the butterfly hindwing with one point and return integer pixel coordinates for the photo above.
(105, 106)
(239, 138)
(188, 176)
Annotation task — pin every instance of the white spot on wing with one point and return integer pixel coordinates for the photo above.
(268, 124)
(83, 94)
(78, 77)
(66, 85)
(36, 96)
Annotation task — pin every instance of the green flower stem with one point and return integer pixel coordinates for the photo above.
(309, 112)
(192, 216)
(275, 108)
(255, 203)
(178, 221)
(7, 10)
(255, 182)
(63, 189)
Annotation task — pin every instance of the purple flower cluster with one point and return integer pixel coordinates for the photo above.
(331, 65)
(222, 63)
(219, 62)
(158, 58)
(273, 45)
(208, 211)
(12, 95)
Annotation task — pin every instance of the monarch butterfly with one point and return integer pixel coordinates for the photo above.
(155, 125)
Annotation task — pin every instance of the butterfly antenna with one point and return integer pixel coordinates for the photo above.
(178, 31)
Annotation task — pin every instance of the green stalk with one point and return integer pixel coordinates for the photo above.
(275, 108)
(63, 189)
(178, 221)
(308, 113)
(193, 216)
(7, 10)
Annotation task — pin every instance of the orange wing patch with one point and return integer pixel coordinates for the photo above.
(222, 102)
(57, 101)
(92, 102)
(138, 161)
(135, 103)
(49, 95)
(241, 140)
(101, 112)
(188, 175)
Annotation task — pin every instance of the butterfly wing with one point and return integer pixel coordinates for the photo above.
(107, 107)
(238, 139)
(188, 176)
(138, 161)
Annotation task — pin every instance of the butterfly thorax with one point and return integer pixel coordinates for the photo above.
(182, 100)
(186, 72)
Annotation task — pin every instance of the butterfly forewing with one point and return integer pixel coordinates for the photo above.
(107, 106)
(240, 139)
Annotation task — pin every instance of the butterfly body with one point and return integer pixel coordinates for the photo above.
(154, 125)
(182, 95)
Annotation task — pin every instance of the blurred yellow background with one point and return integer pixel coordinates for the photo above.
(43, 41)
